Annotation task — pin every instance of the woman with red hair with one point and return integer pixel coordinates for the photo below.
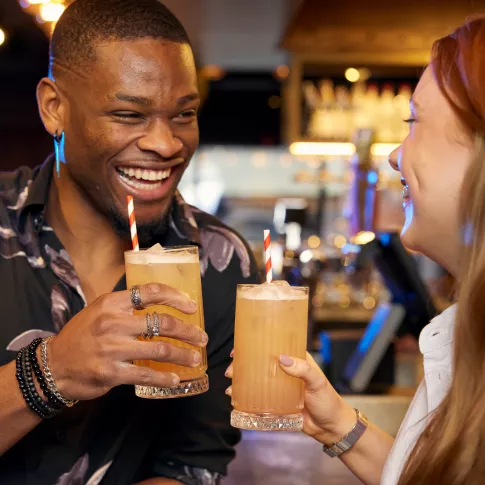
(442, 164)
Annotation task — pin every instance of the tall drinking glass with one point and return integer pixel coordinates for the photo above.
(179, 268)
(271, 320)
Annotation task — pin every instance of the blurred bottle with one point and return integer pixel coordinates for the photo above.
(359, 115)
(343, 127)
(362, 194)
(371, 106)
(329, 109)
(386, 117)
(313, 103)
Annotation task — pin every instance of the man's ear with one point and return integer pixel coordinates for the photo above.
(51, 106)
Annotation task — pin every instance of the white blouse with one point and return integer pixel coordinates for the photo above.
(436, 345)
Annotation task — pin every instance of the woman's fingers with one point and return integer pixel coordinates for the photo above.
(229, 371)
(307, 370)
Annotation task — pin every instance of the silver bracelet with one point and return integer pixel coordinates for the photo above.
(49, 379)
(349, 440)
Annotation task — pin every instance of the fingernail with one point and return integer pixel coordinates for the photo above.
(197, 359)
(193, 304)
(204, 339)
(232, 353)
(286, 361)
(229, 391)
(176, 379)
(226, 373)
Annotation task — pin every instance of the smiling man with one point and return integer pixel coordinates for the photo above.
(121, 103)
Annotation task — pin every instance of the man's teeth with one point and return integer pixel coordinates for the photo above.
(150, 175)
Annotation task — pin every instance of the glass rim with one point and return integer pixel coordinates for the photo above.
(166, 249)
(254, 285)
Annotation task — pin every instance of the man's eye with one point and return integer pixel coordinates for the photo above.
(188, 115)
(127, 115)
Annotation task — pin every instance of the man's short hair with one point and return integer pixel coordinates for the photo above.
(85, 23)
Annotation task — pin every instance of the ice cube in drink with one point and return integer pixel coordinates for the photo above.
(271, 320)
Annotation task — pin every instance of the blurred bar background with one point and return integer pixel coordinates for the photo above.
(303, 100)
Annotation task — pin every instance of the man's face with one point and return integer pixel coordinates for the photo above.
(131, 127)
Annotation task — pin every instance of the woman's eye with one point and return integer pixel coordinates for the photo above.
(409, 120)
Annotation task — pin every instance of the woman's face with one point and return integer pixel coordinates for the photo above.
(433, 160)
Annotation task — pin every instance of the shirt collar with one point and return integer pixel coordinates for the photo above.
(181, 216)
(37, 194)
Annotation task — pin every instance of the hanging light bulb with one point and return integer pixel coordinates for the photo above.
(2, 36)
(50, 12)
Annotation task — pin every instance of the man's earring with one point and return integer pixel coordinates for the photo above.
(59, 151)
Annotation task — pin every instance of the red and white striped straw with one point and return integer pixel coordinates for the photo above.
(131, 216)
(267, 256)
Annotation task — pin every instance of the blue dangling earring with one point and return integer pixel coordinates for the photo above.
(59, 151)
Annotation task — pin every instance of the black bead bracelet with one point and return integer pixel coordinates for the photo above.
(56, 403)
(26, 363)
(30, 399)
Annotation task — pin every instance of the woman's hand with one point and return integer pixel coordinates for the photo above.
(327, 417)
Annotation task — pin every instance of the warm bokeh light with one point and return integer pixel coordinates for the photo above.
(352, 75)
(212, 72)
(314, 242)
(282, 72)
(2, 36)
(344, 302)
(363, 237)
(51, 12)
(382, 149)
(339, 241)
(301, 148)
(369, 303)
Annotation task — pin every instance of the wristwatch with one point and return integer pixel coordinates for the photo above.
(349, 440)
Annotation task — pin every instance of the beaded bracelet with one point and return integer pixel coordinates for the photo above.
(49, 410)
(31, 398)
(56, 403)
(25, 378)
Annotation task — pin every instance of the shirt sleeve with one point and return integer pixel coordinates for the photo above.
(202, 441)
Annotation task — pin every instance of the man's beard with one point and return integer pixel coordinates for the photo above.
(149, 233)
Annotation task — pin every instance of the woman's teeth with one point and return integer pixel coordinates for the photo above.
(405, 192)
(405, 189)
(138, 178)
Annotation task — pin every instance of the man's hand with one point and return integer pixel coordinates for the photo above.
(93, 352)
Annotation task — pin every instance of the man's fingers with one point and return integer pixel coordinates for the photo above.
(158, 294)
(307, 370)
(146, 376)
(168, 326)
(160, 351)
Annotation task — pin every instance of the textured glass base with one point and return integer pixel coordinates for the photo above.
(267, 422)
(185, 388)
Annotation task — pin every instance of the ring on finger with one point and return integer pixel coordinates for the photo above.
(156, 325)
(149, 323)
(136, 298)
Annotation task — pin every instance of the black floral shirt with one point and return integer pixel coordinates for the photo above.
(118, 438)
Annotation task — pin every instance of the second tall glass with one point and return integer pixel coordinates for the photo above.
(271, 320)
